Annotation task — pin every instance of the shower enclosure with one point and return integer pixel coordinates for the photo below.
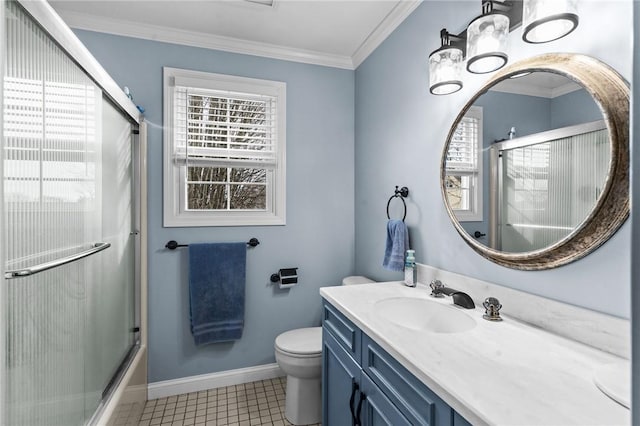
(70, 303)
(544, 185)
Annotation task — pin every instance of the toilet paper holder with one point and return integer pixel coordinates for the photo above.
(286, 277)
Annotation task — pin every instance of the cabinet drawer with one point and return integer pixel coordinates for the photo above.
(419, 404)
(345, 332)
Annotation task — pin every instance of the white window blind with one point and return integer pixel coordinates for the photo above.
(464, 167)
(224, 129)
(462, 154)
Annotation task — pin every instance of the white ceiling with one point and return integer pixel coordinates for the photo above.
(340, 33)
(540, 84)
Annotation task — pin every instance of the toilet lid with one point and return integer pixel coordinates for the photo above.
(302, 341)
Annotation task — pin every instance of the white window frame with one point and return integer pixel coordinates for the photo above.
(474, 213)
(175, 213)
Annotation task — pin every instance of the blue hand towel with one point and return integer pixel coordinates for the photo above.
(217, 274)
(397, 245)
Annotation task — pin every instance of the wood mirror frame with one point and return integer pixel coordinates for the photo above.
(611, 92)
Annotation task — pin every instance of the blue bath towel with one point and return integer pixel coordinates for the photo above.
(397, 245)
(217, 275)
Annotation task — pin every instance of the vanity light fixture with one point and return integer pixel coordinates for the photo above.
(445, 67)
(487, 40)
(484, 42)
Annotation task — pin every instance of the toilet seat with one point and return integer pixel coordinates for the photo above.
(301, 342)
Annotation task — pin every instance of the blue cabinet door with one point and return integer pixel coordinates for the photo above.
(376, 409)
(415, 400)
(340, 383)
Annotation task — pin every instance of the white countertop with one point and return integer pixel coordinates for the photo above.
(503, 373)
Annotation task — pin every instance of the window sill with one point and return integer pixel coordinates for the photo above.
(196, 220)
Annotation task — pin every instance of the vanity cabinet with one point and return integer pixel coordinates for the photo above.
(363, 384)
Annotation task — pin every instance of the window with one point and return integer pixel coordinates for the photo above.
(463, 175)
(224, 150)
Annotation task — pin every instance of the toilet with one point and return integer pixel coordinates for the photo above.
(299, 355)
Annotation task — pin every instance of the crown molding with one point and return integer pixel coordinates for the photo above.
(125, 28)
(399, 13)
(88, 22)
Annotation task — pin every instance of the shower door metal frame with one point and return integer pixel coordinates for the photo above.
(495, 164)
(3, 288)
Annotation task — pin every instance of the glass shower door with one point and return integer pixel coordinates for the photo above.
(110, 303)
(52, 209)
(68, 220)
(549, 188)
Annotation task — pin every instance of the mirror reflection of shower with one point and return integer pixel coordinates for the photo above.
(545, 185)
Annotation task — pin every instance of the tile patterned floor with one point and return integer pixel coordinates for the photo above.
(248, 404)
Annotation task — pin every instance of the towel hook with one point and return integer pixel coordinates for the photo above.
(399, 193)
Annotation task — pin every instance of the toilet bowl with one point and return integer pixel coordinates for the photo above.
(299, 355)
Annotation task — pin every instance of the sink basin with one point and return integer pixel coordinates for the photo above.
(423, 315)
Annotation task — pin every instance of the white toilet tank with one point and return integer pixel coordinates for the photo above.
(356, 279)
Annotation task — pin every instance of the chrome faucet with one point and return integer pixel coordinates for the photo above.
(459, 298)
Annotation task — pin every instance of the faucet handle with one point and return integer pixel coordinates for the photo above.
(436, 288)
(492, 308)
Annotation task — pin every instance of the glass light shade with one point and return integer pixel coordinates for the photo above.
(445, 70)
(548, 20)
(487, 43)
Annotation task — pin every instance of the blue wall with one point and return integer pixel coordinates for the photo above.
(501, 111)
(400, 134)
(318, 237)
(573, 108)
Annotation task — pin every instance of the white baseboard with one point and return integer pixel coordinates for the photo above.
(214, 380)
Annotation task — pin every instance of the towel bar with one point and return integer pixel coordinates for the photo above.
(172, 245)
(399, 193)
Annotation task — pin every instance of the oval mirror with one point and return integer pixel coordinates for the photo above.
(535, 171)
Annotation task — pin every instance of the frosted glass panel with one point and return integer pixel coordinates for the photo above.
(110, 302)
(52, 209)
(67, 157)
(549, 188)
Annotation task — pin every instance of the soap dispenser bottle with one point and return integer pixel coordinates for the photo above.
(410, 271)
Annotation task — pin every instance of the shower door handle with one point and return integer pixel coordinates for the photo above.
(19, 273)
